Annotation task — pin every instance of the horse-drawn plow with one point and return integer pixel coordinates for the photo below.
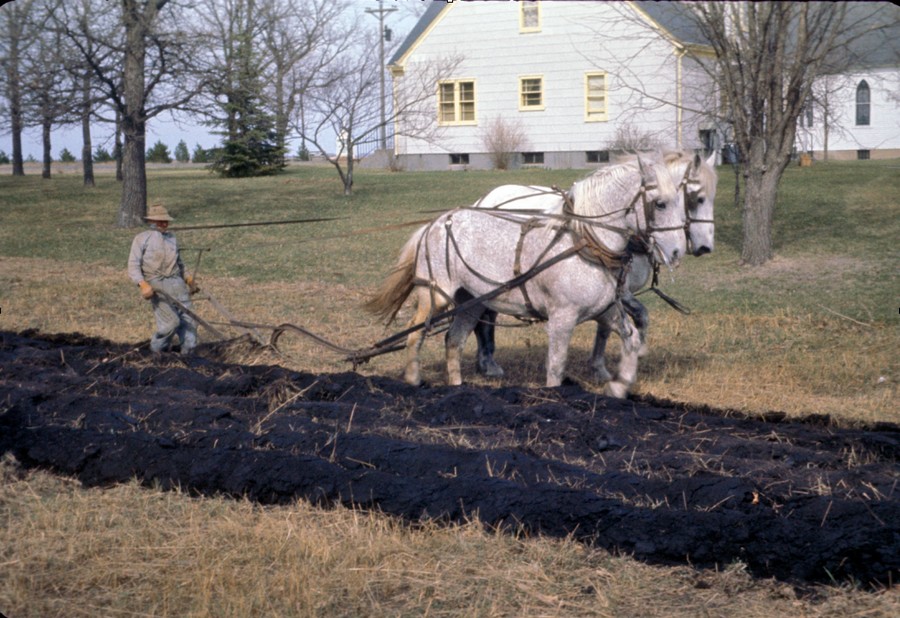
(802, 500)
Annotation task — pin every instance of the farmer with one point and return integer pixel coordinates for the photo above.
(155, 266)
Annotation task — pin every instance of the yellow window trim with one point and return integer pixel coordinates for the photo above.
(531, 108)
(595, 116)
(457, 103)
(527, 4)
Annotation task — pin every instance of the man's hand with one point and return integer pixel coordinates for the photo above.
(146, 290)
(192, 286)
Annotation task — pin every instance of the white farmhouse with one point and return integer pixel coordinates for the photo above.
(855, 110)
(576, 80)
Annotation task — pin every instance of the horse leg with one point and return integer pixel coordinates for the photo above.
(484, 335)
(559, 334)
(641, 317)
(455, 340)
(598, 354)
(414, 340)
(628, 364)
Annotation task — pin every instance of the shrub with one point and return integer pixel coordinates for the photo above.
(4, 158)
(630, 138)
(502, 139)
(65, 156)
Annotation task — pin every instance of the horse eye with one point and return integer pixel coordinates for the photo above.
(701, 200)
(660, 205)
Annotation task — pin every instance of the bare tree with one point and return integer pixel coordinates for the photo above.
(48, 91)
(144, 63)
(301, 40)
(768, 55)
(15, 38)
(345, 103)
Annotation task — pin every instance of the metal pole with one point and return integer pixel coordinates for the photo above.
(381, 12)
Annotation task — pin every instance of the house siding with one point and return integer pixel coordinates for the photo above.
(881, 137)
(575, 38)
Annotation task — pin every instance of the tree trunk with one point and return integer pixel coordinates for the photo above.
(134, 172)
(348, 177)
(87, 157)
(134, 186)
(13, 85)
(18, 163)
(760, 192)
(118, 148)
(45, 141)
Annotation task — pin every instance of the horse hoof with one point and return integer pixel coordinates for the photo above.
(617, 390)
(490, 369)
(602, 375)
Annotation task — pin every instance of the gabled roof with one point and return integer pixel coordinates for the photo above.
(434, 9)
(879, 47)
(671, 16)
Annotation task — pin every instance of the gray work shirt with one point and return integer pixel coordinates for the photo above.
(154, 255)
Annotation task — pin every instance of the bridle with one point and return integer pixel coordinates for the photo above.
(690, 186)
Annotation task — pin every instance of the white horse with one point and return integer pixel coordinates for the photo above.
(696, 180)
(468, 253)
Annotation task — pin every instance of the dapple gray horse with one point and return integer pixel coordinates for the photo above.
(470, 252)
(696, 180)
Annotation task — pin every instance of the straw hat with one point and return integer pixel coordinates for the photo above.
(158, 212)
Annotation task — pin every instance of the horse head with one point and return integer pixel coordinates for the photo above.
(697, 183)
(661, 217)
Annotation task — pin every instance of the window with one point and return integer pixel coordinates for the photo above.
(533, 158)
(862, 155)
(529, 16)
(809, 115)
(863, 100)
(456, 102)
(459, 159)
(531, 93)
(597, 156)
(595, 97)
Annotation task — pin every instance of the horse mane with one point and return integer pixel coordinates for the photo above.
(708, 176)
(612, 188)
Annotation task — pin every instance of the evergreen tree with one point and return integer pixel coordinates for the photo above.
(101, 155)
(201, 155)
(181, 153)
(159, 153)
(250, 145)
(253, 150)
(66, 157)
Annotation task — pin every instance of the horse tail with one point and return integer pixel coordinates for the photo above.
(399, 283)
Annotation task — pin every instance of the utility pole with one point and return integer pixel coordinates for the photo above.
(381, 12)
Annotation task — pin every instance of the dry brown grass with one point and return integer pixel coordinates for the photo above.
(127, 551)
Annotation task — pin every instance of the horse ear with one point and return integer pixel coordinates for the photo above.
(711, 161)
(647, 175)
(697, 161)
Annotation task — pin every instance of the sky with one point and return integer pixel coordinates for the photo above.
(165, 128)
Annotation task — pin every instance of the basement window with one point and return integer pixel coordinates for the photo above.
(862, 155)
(533, 158)
(597, 156)
(459, 159)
